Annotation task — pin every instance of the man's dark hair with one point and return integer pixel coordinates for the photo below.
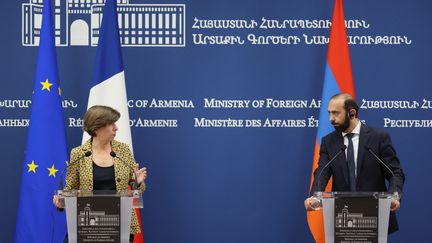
(349, 102)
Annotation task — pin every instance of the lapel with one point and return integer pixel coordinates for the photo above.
(338, 140)
(87, 168)
(115, 146)
(363, 139)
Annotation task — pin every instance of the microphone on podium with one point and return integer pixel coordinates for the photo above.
(342, 149)
(395, 193)
(135, 183)
(86, 154)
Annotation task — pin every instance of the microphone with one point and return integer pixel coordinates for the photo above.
(378, 158)
(342, 149)
(135, 182)
(86, 154)
(383, 163)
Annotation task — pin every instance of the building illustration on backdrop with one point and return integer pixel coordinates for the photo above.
(77, 23)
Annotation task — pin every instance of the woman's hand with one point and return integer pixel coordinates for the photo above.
(58, 202)
(140, 173)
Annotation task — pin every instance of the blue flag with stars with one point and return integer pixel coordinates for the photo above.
(46, 150)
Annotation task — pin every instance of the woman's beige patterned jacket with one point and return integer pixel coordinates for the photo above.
(80, 176)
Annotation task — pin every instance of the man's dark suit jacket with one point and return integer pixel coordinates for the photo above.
(371, 175)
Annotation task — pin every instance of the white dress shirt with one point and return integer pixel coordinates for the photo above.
(355, 140)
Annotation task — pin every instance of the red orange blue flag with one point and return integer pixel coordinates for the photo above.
(337, 78)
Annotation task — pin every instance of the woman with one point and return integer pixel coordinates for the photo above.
(106, 168)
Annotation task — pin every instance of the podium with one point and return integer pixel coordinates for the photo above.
(99, 216)
(355, 216)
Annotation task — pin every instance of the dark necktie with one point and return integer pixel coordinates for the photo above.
(350, 160)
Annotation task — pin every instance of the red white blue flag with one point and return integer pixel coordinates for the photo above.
(108, 84)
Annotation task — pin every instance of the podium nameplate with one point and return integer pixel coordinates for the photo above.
(356, 220)
(98, 219)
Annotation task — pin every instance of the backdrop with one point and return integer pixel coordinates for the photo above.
(191, 66)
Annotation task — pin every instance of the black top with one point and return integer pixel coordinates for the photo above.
(103, 177)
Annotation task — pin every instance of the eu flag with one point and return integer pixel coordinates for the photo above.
(46, 150)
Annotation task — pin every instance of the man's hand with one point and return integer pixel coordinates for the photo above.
(312, 204)
(395, 205)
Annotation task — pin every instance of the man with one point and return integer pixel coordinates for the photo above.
(358, 170)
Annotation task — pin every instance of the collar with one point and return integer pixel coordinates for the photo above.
(356, 130)
(88, 145)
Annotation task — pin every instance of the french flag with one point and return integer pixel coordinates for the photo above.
(337, 78)
(108, 84)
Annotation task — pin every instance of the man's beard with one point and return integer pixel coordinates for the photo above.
(344, 126)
